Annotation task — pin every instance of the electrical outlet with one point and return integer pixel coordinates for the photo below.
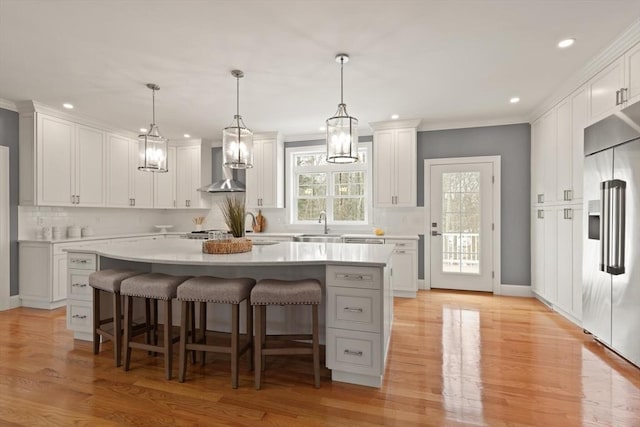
(40, 221)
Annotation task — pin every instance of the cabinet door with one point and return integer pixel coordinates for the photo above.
(55, 158)
(141, 182)
(536, 161)
(164, 185)
(118, 171)
(404, 268)
(537, 242)
(405, 167)
(564, 156)
(268, 198)
(188, 179)
(253, 180)
(196, 200)
(632, 70)
(602, 90)
(579, 111)
(564, 273)
(90, 167)
(59, 279)
(384, 171)
(549, 161)
(550, 256)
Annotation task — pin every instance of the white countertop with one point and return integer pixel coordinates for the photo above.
(103, 237)
(189, 252)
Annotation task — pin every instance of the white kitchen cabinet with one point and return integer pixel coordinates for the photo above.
(569, 260)
(543, 149)
(632, 74)
(604, 91)
(404, 275)
(90, 173)
(395, 173)
(164, 184)
(359, 320)
(188, 178)
(42, 275)
(265, 180)
(80, 295)
(544, 252)
(126, 185)
(537, 161)
(579, 120)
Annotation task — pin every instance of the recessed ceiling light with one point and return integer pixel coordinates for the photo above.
(186, 135)
(68, 106)
(143, 130)
(394, 116)
(514, 100)
(566, 43)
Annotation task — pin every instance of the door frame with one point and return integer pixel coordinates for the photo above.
(496, 188)
(5, 266)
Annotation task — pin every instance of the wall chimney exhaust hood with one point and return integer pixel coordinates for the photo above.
(225, 180)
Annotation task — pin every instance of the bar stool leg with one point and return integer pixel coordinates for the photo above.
(258, 351)
(250, 331)
(263, 331)
(187, 307)
(235, 326)
(168, 341)
(96, 320)
(316, 347)
(203, 331)
(128, 330)
(117, 328)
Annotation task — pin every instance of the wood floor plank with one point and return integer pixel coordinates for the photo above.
(455, 359)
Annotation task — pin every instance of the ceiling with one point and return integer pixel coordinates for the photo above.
(445, 62)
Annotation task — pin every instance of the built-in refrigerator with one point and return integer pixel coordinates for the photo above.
(611, 262)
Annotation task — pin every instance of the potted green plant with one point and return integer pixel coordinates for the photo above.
(232, 208)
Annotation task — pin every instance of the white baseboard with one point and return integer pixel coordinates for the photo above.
(422, 284)
(14, 301)
(516, 291)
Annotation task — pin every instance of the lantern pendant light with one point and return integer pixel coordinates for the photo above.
(237, 139)
(342, 129)
(152, 146)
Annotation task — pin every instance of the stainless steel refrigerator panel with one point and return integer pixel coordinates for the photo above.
(596, 289)
(625, 297)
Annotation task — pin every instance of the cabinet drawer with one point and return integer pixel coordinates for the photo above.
(79, 285)
(79, 261)
(353, 351)
(403, 244)
(353, 277)
(79, 316)
(352, 308)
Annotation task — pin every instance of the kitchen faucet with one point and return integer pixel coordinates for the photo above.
(253, 220)
(323, 214)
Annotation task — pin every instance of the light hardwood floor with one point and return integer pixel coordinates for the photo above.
(455, 359)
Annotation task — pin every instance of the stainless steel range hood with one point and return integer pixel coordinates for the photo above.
(225, 180)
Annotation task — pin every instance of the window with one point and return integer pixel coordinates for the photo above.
(341, 190)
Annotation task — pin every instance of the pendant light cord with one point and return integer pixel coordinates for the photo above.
(153, 106)
(341, 79)
(238, 96)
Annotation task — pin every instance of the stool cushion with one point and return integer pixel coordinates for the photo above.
(216, 289)
(152, 285)
(283, 292)
(110, 280)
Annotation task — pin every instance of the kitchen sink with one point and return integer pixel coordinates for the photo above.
(325, 238)
(264, 242)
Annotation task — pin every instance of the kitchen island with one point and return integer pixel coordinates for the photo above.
(357, 294)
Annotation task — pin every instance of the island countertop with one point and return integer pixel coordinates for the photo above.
(189, 252)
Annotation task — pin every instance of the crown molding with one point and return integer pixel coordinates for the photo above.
(473, 124)
(395, 124)
(626, 40)
(8, 105)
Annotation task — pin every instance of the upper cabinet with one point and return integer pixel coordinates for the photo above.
(395, 163)
(164, 184)
(126, 185)
(61, 162)
(188, 177)
(616, 86)
(265, 180)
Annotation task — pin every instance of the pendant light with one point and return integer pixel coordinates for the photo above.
(237, 139)
(152, 146)
(342, 129)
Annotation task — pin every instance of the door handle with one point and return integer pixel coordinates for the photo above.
(617, 200)
(618, 102)
(435, 233)
(604, 225)
(623, 92)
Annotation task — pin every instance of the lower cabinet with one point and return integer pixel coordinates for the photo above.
(557, 258)
(79, 294)
(359, 316)
(42, 275)
(405, 267)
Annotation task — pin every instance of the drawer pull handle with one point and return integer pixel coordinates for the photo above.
(401, 252)
(354, 309)
(359, 277)
(80, 261)
(80, 285)
(353, 353)
(78, 316)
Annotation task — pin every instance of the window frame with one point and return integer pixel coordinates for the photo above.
(329, 169)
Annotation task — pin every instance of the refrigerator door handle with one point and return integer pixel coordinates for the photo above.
(604, 226)
(618, 191)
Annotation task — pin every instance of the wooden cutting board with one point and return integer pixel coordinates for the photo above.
(261, 223)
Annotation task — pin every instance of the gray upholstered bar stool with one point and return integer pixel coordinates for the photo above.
(109, 281)
(284, 292)
(155, 287)
(205, 289)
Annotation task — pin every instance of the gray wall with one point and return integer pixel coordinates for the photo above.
(513, 144)
(9, 138)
